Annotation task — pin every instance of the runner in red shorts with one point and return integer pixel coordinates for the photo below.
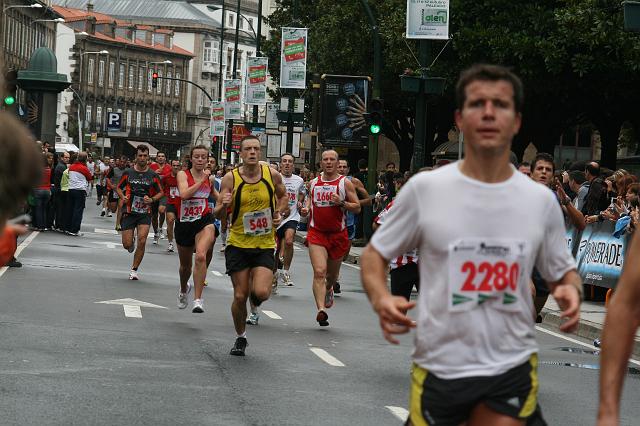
(331, 196)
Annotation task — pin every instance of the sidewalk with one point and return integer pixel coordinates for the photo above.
(592, 314)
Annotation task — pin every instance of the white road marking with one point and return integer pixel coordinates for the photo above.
(327, 357)
(216, 273)
(132, 311)
(578, 342)
(23, 245)
(350, 265)
(399, 412)
(272, 315)
(105, 231)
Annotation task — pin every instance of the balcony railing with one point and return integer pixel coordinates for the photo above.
(161, 135)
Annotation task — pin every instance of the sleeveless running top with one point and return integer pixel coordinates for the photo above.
(197, 206)
(252, 208)
(325, 216)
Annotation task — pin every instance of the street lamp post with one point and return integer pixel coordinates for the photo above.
(235, 70)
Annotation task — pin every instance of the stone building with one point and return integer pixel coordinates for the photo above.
(114, 62)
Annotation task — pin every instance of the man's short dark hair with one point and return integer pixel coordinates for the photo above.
(287, 154)
(248, 137)
(142, 148)
(543, 156)
(524, 164)
(160, 152)
(486, 72)
(593, 169)
(577, 176)
(390, 163)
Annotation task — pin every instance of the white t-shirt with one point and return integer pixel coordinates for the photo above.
(103, 167)
(91, 166)
(478, 244)
(295, 186)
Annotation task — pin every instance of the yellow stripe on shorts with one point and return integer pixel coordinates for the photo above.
(532, 399)
(418, 376)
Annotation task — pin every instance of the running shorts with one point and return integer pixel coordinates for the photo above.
(132, 220)
(99, 191)
(112, 196)
(171, 208)
(163, 201)
(238, 259)
(336, 243)
(292, 224)
(185, 232)
(441, 402)
(403, 279)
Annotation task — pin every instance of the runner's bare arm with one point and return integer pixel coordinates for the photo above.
(158, 189)
(568, 293)
(224, 197)
(621, 323)
(187, 191)
(121, 194)
(351, 202)
(391, 310)
(363, 195)
(282, 205)
(214, 192)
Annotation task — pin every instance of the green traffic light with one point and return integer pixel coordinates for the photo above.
(9, 100)
(374, 129)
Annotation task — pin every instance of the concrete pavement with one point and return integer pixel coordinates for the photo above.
(66, 359)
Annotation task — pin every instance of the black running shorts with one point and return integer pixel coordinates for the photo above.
(436, 401)
(238, 259)
(292, 224)
(185, 232)
(132, 220)
(403, 279)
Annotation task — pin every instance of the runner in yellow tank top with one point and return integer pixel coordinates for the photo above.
(256, 199)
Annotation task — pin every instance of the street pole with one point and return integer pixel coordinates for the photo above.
(372, 171)
(220, 74)
(291, 93)
(258, 53)
(315, 117)
(235, 69)
(420, 134)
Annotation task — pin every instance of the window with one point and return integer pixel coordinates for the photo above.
(138, 120)
(241, 23)
(216, 52)
(166, 121)
(129, 119)
(87, 116)
(121, 77)
(178, 83)
(112, 73)
(92, 64)
(168, 92)
(101, 73)
(149, 80)
(159, 88)
(231, 24)
(147, 120)
(140, 79)
(141, 35)
(251, 23)
(175, 122)
(208, 51)
(132, 75)
(99, 118)
(157, 121)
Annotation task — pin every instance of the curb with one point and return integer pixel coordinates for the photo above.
(586, 329)
(350, 258)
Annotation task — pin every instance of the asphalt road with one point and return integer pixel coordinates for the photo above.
(67, 359)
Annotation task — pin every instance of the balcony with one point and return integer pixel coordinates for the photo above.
(211, 67)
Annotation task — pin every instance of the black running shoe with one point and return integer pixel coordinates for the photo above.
(239, 347)
(336, 288)
(322, 318)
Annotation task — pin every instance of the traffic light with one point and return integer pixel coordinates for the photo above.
(10, 88)
(214, 143)
(376, 107)
(154, 80)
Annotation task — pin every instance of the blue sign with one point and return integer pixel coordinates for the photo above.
(114, 121)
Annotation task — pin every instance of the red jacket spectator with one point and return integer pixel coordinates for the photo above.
(79, 176)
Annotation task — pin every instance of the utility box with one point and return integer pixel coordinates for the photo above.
(631, 15)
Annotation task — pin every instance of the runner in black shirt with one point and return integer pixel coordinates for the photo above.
(139, 187)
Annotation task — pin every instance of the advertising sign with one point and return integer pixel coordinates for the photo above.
(428, 19)
(600, 255)
(256, 81)
(272, 116)
(232, 100)
(343, 103)
(293, 58)
(216, 124)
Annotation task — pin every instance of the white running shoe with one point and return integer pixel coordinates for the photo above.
(109, 214)
(197, 306)
(133, 275)
(184, 298)
(156, 238)
(170, 248)
(274, 284)
(253, 319)
(286, 278)
(163, 234)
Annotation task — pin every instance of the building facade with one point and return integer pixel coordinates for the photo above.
(114, 62)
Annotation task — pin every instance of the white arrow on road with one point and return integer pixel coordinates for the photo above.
(131, 306)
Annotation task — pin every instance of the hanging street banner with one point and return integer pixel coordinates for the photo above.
(428, 19)
(343, 109)
(232, 99)
(293, 58)
(216, 124)
(256, 81)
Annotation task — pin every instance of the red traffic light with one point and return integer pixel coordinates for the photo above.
(154, 75)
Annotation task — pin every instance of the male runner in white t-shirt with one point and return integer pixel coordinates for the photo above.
(480, 227)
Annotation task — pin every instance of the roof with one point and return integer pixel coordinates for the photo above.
(74, 15)
(175, 49)
(171, 12)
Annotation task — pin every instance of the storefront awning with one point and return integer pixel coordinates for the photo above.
(68, 147)
(152, 150)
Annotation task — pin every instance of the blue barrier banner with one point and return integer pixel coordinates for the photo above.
(599, 254)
